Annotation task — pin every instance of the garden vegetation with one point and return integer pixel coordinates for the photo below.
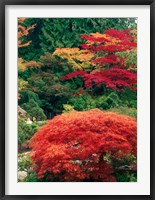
(77, 93)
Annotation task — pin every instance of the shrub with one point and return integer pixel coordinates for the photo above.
(24, 162)
(67, 108)
(125, 111)
(72, 146)
(112, 100)
(126, 177)
(24, 167)
(25, 131)
(34, 110)
(129, 98)
(82, 102)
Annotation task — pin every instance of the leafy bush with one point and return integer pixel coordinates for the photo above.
(126, 177)
(82, 102)
(125, 111)
(129, 98)
(130, 59)
(25, 165)
(25, 172)
(24, 162)
(67, 108)
(25, 131)
(31, 176)
(106, 102)
(72, 146)
(27, 95)
(34, 110)
(125, 167)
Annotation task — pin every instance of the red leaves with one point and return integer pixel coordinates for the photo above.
(111, 41)
(72, 145)
(122, 35)
(80, 91)
(114, 78)
(111, 59)
(88, 47)
(93, 39)
(74, 74)
(114, 48)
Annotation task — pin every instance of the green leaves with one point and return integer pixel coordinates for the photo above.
(34, 110)
(25, 131)
(50, 33)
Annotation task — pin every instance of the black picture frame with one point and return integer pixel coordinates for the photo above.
(3, 3)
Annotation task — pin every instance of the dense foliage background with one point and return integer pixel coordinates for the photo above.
(68, 64)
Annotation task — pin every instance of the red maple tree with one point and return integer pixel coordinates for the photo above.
(110, 41)
(72, 146)
(114, 78)
(110, 67)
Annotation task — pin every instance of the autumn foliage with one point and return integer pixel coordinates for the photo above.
(113, 78)
(78, 59)
(109, 63)
(110, 41)
(22, 32)
(72, 146)
(77, 81)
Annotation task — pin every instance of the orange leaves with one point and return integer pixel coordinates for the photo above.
(75, 143)
(21, 19)
(100, 38)
(23, 65)
(22, 32)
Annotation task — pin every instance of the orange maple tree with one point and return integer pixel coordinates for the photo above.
(72, 146)
(22, 32)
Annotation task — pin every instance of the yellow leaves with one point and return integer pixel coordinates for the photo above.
(130, 59)
(67, 108)
(24, 65)
(78, 59)
(134, 33)
(21, 64)
(21, 84)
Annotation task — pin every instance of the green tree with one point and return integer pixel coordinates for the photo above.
(34, 110)
(50, 33)
(65, 32)
(52, 93)
(25, 131)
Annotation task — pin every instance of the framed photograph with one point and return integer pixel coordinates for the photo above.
(77, 99)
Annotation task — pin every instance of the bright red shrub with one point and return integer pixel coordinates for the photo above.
(72, 145)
